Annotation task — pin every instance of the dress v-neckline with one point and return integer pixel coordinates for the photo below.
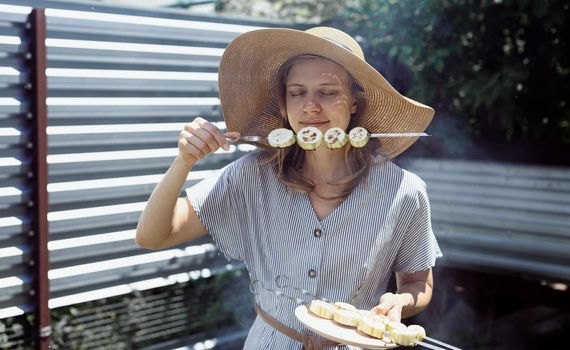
(333, 213)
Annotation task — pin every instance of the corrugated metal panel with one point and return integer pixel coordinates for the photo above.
(113, 130)
(505, 217)
(16, 276)
(120, 88)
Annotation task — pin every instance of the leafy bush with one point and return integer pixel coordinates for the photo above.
(16, 333)
(498, 67)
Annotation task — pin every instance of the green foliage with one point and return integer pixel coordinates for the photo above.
(498, 66)
(314, 11)
(16, 332)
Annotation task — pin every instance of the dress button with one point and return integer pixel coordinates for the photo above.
(317, 233)
(312, 273)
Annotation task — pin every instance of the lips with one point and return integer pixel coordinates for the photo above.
(314, 123)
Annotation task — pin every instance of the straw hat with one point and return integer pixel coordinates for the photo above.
(248, 84)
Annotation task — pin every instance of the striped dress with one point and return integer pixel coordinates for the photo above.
(382, 227)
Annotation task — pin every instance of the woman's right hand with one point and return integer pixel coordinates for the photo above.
(200, 138)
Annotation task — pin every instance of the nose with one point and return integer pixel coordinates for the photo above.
(311, 106)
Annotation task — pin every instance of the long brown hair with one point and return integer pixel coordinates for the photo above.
(288, 161)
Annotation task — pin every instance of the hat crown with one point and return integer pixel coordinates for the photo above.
(338, 37)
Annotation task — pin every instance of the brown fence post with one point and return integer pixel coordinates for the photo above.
(39, 176)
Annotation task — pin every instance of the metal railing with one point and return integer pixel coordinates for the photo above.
(501, 217)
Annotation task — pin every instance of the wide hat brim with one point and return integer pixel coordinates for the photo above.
(248, 86)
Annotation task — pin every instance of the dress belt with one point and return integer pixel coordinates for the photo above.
(310, 342)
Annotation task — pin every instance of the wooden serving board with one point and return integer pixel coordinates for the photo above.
(339, 333)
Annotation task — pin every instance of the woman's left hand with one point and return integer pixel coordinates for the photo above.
(391, 305)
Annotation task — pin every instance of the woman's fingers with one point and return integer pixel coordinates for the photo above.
(208, 139)
(218, 138)
(232, 135)
(208, 133)
(189, 145)
(389, 306)
(395, 313)
(200, 138)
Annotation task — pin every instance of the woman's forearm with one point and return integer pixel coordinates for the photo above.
(416, 296)
(159, 219)
(167, 219)
(413, 295)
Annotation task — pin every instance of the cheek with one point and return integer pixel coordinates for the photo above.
(342, 109)
(288, 105)
(291, 115)
(341, 104)
(292, 123)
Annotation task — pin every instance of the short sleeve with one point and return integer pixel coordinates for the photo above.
(419, 248)
(219, 202)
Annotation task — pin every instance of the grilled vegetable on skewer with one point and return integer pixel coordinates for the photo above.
(309, 138)
(281, 138)
(372, 326)
(335, 138)
(358, 137)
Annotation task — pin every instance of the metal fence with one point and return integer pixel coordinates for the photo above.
(501, 218)
(119, 85)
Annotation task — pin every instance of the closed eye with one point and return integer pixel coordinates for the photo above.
(296, 93)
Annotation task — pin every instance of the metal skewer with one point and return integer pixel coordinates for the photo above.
(431, 346)
(399, 134)
(441, 343)
(256, 138)
(250, 138)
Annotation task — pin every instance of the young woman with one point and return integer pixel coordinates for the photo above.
(336, 223)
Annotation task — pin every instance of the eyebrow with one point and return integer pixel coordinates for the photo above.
(323, 84)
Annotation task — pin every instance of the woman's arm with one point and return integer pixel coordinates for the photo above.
(167, 219)
(413, 295)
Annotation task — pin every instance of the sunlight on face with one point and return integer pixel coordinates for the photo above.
(318, 94)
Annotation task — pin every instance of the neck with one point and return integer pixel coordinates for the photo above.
(324, 165)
